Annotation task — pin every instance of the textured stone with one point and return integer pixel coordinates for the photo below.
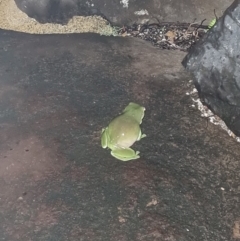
(57, 183)
(215, 65)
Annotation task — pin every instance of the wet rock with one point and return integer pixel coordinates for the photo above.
(215, 65)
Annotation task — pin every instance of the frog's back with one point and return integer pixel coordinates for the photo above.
(123, 122)
(124, 130)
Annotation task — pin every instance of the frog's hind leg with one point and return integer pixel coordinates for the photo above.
(126, 154)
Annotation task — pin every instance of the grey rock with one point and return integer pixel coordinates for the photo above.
(215, 65)
(120, 12)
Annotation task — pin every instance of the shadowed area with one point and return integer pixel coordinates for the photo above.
(57, 183)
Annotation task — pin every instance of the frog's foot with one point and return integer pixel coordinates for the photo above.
(143, 135)
(126, 154)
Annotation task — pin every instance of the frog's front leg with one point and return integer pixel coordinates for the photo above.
(125, 154)
(141, 136)
(104, 138)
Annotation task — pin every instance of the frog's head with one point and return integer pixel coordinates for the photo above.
(136, 111)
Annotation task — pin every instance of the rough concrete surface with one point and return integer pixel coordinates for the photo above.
(57, 183)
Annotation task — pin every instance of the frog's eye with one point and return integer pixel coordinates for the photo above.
(212, 23)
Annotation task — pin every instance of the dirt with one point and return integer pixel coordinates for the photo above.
(12, 18)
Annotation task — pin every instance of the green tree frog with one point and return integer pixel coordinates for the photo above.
(123, 131)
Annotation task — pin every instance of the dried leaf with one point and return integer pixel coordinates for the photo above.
(171, 35)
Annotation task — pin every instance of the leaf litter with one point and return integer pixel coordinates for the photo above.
(167, 35)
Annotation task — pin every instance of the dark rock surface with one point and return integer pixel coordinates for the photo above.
(57, 183)
(121, 12)
(215, 64)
